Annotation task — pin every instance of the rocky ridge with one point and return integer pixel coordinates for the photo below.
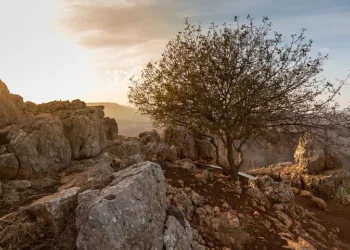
(38, 140)
(78, 185)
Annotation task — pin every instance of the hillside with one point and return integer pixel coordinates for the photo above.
(130, 122)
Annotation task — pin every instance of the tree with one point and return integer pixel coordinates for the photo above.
(238, 82)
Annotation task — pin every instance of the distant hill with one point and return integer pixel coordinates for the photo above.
(130, 122)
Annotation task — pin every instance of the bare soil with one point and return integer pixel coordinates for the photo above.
(336, 216)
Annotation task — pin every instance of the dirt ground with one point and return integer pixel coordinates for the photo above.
(335, 217)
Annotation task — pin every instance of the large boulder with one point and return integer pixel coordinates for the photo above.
(182, 140)
(54, 208)
(85, 130)
(37, 147)
(8, 166)
(314, 157)
(111, 128)
(128, 214)
(177, 235)
(155, 150)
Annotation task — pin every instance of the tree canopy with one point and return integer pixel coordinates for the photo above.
(238, 82)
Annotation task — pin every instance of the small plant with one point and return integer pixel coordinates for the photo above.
(342, 193)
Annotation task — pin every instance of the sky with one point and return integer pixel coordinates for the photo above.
(88, 49)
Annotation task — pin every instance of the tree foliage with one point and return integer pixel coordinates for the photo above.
(238, 82)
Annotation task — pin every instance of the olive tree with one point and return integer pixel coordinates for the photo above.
(238, 82)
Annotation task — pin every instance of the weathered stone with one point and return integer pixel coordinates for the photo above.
(55, 106)
(315, 157)
(40, 146)
(332, 159)
(182, 140)
(149, 136)
(85, 130)
(11, 106)
(130, 160)
(99, 174)
(128, 214)
(301, 244)
(155, 150)
(8, 166)
(123, 149)
(53, 208)
(319, 202)
(111, 127)
(176, 236)
(305, 193)
(310, 155)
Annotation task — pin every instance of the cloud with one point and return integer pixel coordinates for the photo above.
(121, 24)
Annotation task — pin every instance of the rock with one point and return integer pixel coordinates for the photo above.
(116, 164)
(111, 127)
(310, 155)
(276, 192)
(149, 136)
(305, 193)
(176, 236)
(11, 106)
(55, 106)
(182, 140)
(205, 149)
(97, 175)
(295, 190)
(124, 149)
(184, 203)
(155, 150)
(0, 189)
(39, 146)
(128, 214)
(159, 152)
(332, 159)
(53, 208)
(8, 166)
(130, 160)
(85, 130)
(313, 157)
(301, 244)
(319, 202)
(187, 165)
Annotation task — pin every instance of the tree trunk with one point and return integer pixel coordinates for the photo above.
(216, 150)
(233, 171)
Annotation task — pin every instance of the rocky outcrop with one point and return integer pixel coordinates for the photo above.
(85, 130)
(34, 148)
(128, 214)
(11, 106)
(111, 128)
(41, 139)
(155, 150)
(197, 147)
(313, 157)
(182, 140)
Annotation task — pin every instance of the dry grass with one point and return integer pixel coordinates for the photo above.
(19, 231)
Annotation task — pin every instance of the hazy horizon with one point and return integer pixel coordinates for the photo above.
(65, 50)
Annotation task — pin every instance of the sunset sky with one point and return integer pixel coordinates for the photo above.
(88, 49)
